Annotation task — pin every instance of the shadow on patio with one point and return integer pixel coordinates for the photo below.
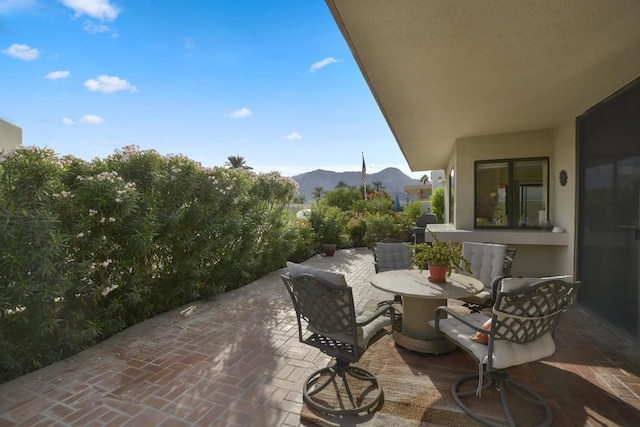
(236, 360)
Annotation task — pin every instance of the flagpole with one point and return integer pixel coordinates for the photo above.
(364, 177)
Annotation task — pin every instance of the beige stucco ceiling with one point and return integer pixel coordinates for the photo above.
(446, 69)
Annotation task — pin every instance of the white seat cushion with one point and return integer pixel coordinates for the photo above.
(366, 332)
(505, 354)
(486, 260)
(516, 283)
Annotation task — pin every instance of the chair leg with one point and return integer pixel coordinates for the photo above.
(367, 390)
(504, 385)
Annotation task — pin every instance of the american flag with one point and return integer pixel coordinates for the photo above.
(364, 172)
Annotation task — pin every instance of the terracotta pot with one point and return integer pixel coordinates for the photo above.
(329, 250)
(437, 273)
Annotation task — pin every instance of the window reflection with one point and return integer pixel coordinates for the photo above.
(512, 193)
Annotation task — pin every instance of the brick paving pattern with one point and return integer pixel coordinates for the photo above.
(235, 360)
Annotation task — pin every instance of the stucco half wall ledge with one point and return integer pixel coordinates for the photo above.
(506, 237)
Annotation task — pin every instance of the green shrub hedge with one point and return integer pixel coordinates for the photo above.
(90, 248)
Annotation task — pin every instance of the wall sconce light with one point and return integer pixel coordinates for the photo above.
(563, 177)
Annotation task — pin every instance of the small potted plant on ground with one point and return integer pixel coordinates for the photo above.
(441, 258)
(327, 223)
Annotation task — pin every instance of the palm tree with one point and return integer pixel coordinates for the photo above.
(377, 185)
(317, 192)
(341, 184)
(424, 178)
(298, 198)
(237, 162)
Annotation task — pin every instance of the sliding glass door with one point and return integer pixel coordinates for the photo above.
(609, 209)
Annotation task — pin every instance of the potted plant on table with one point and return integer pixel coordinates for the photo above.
(441, 257)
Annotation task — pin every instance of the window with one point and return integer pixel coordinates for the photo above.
(512, 193)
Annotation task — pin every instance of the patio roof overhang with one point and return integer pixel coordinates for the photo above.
(447, 69)
(418, 189)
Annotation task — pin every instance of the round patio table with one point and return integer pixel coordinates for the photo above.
(420, 298)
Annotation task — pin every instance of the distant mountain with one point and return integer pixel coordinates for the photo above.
(393, 180)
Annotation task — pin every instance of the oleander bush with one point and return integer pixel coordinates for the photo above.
(90, 248)
(380, 226)
(327, 222)
(357, 229)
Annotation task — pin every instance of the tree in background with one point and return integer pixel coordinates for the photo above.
(298, 198)
(411, 212)
(343, 198)
(377, 185)
(437, 203)
(424, 178)
(237, 162)
(317, 193)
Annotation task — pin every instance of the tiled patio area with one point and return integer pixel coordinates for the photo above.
(236, 361)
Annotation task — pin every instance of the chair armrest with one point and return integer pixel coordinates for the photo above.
(438, 315)
(379, 312)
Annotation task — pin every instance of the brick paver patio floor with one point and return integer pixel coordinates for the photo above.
(235, 360)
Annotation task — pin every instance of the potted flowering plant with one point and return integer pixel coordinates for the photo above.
(441, 258)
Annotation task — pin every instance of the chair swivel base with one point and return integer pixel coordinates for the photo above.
(501, 381)
(368, 392)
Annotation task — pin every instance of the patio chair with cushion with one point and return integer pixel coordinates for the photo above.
(519, 331)
(327, 320)
(376, 264)
(487, 262)
(391, 255)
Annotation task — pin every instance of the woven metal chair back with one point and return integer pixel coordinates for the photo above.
(393, 256)
(326, 315)
(524, 315)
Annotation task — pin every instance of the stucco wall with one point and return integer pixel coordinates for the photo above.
(10, 136)
(559, 145)
(564, 197)
(537, 143)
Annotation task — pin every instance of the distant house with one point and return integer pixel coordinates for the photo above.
(10, 136)
(536, 107)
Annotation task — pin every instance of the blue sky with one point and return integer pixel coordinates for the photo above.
(272, 81)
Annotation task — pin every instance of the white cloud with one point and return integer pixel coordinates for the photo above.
(323, 63)
(55, 75)
(293, 136)
(22, 51)
(92, 28)
(99, 9)
(91, 119)
(108, 84)
(240, 114)
(67, 121)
